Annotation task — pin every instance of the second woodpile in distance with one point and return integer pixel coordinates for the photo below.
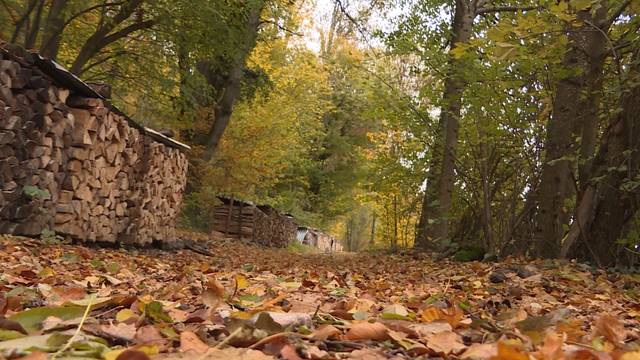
(259, 224)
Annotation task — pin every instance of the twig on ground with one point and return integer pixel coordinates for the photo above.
(77, 332)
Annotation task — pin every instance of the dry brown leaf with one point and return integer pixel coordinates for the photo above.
(588, 354)
(122, 331)
(213, 293)
(314, 353)
(368, 331)
(325, 332)
(4, 304)
(552, 347)
(431, 328)
(229, 353)
(446, 342)
(633, 355)
(288, 352)
(571, 328)
(148, 335)
(36, 355)
(610, 328)
(191, 342)
(133, 354)
(367, 354)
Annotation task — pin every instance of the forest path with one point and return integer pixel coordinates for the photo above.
(364, 306)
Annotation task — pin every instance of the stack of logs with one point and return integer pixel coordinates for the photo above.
(74, 165)
(259, 224)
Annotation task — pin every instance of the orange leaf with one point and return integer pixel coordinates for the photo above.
(480, 351)
(506, 352)
(453, 316)
(368, 331)
(610, 328)
(430, 314)
(552, 347)
(325, 332)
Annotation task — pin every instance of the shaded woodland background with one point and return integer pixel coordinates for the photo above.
(465, 126)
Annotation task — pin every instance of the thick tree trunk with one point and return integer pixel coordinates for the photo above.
(487, 228)
(230, 91)
(33, 28)
(575, 114)
(434, 223)
(23, 20)
(606, 205)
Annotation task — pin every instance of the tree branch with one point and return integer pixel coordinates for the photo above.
(497, 9)
(9, 11)
(22, 20)
(104, 59)
(616, 13)
(281, 27)
(126, 31)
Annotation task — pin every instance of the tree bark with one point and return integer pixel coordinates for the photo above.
(607, 205)
(33, 29)
(53, 28)
(574, 114)
(372, 241)
(24, 19)
(230, 91)
(434, 223)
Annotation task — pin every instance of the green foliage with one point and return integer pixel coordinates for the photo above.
(470, 253)
(33, 192)
(298, 248)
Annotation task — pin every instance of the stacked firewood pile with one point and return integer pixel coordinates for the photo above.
(317, 239)
(78, 166)
(259, 224)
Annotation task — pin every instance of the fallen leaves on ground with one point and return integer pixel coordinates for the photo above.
(253, 303)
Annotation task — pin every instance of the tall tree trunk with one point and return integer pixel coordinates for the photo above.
(606, 204)
(230, 91)
(31, 35)
(53, 28)
(574, 114)
(486, 199)
(434, 223)
(394, 244)
(372, 241)
(23, 20)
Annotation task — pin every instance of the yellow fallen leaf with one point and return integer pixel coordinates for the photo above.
(113, 354)
(149, 349)
(124, 314)
(241, 282)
